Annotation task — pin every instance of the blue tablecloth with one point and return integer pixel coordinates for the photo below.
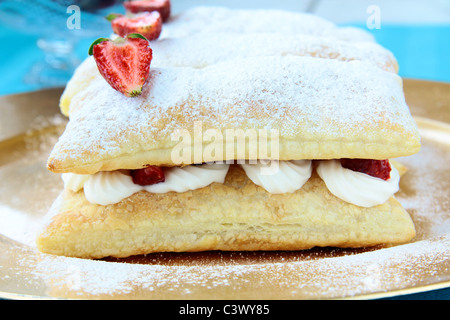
(423, 52)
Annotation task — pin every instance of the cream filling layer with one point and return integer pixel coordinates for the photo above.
(284, 177)
(109, 187)
(355, 187)
(280, 176)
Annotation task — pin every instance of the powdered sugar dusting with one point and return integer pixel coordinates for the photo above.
(356, 274)
(200, 50)
(336, 100)
(425, 180)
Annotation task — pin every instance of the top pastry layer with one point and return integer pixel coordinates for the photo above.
(201, 50)
(318, 108)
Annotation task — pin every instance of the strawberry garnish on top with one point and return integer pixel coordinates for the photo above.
(375, 168)
(149, 24)
(162, 6)
(123, 62)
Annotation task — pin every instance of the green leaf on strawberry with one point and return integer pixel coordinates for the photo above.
(110, 17)
(136, 35)
(99, 40)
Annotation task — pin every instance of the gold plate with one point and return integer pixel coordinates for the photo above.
(30, 125)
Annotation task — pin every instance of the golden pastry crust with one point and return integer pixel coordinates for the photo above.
(320, 109)
(236, 215)
(199, 51)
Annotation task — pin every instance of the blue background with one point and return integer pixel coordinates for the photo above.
(422, 51)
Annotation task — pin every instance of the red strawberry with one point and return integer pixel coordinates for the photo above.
(148, 175)
(375, 168)
(162, 6)
(123, 62)
(149, 24)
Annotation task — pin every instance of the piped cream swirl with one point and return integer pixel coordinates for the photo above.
(355, 187)
(280, 176)
(109, 187)
(275, 177)
(182, 179)
(74, 181)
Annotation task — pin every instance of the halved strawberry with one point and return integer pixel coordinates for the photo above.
(149, 24)
(123, 62)
(375, 168)
(162, 6)
(148, 175)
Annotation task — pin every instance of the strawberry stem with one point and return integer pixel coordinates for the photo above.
(136, 35)
(99, 40)
(110, 17)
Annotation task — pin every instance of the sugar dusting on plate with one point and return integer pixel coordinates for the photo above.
(368, 272)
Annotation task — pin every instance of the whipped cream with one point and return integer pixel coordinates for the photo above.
(74, 181)
(109, 187)
(284, 177)
(355, 187)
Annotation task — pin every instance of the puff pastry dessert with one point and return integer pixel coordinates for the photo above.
(282, 187)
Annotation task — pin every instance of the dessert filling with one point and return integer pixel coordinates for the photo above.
(365, 183)
(355, 187)
(109, 187)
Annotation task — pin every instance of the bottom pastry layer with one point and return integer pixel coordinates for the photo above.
(235, 216)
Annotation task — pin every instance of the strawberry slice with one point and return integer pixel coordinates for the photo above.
(162, 6)
(123, 62)
(375, 168)
(149, 24)
(148, 175)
